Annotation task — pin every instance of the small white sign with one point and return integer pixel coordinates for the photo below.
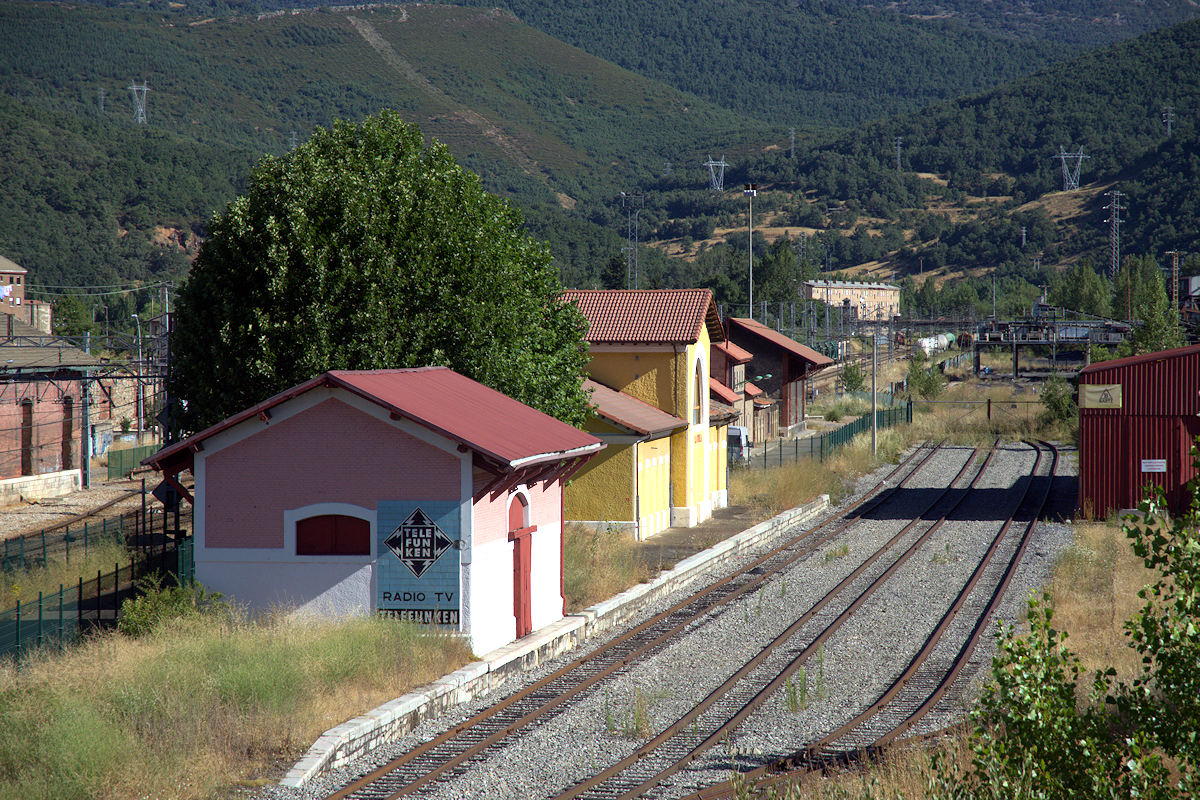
(1154, 465)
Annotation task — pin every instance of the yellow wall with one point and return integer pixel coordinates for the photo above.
(603, 490)
(666, 379)
(647, 375)
(653, 480)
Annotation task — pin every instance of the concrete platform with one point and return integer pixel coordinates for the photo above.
(390, 721)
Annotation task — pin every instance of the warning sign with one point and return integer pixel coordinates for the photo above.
(418, 542)
(1100, 395)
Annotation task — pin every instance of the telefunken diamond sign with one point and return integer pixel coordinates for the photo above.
(417, 579)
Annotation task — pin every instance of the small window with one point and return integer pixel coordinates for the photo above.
(333, 535)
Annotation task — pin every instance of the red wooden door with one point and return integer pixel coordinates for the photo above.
(519, 535)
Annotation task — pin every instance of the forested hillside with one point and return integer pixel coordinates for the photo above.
(543, 123)
(824, 63)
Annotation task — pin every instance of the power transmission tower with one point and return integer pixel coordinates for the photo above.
(1022, 236)
(793, 150)
(716, 174)
(1071, 163)
(139, 102)
(1168, 116)
(1175, 254)
(897, 142)
(632, 203)
(1114, 231)
(293, 144)
(101, 100)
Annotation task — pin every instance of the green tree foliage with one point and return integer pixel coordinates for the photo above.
(1081, 289)
(1058, 401)
(369, 248)
(1139, 291)
(852, 377)
(1033, 739)
(923, 379)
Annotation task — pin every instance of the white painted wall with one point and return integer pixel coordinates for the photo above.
(490, 595)
(544, 580)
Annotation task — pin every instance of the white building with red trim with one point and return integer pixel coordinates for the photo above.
(415, 493)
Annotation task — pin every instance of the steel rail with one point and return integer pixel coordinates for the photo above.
(581, 788)
(821, 755)
(371, 784)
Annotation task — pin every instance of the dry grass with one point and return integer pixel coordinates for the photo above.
(599, 563)
(201, 703)
(1095, 588)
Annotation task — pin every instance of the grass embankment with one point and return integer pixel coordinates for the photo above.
(599, 564)
(202, 702)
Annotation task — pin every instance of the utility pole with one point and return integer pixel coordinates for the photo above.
(751, 191)
(1071, 163)
(140, 408)
(85, 476)
(716, 174)
(633, 204)
(1174, 254)
(1114, 231)
(139, 102)
(874, 394)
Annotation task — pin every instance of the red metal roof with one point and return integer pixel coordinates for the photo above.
(737, 355)
(722, 391)
(1161, 383)
(629, 412)
(647, 316)
(751, 390)
(489, 422)
(790, 345)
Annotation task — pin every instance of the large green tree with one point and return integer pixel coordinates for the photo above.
(368, 247)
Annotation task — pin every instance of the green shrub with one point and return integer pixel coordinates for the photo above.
(157, 604)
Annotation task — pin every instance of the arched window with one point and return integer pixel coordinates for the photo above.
(698, 404)
(333, 535)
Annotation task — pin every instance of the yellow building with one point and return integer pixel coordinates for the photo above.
(870, 301)
(652, 347)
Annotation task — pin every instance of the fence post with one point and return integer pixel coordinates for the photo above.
(989, 409)
(39, 636)
(18, 628)
(67, 542)
(99, 589)
(79, 604)
(43, 547)
(60, 614)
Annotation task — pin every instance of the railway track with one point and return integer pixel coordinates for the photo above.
(476, 738)
(647, 769)
(451, 750)
(916, 691)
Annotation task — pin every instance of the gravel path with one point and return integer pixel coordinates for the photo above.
(853, 666)
(34, 515)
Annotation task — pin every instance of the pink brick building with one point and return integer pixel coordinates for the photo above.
(414, 493)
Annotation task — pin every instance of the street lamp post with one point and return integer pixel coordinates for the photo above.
(140, 414)
(751, 191)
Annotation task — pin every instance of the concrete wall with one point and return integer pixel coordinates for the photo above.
(35, 487)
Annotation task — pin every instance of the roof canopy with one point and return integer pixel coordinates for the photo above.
(629, 412)
(788, 345)
(647, 316)
(504, 433)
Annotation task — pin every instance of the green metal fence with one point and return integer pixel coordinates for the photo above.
(58, 618)
(123, 462)
(776, 454)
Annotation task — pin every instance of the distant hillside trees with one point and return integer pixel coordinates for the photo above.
(368, 248)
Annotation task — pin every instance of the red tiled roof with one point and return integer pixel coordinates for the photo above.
(629, 412)
(737, 355)
(722, 391)
(721, 414)
(647, 316)
(489, 422)
(775, 337)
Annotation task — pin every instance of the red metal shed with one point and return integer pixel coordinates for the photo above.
(1137, 424)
